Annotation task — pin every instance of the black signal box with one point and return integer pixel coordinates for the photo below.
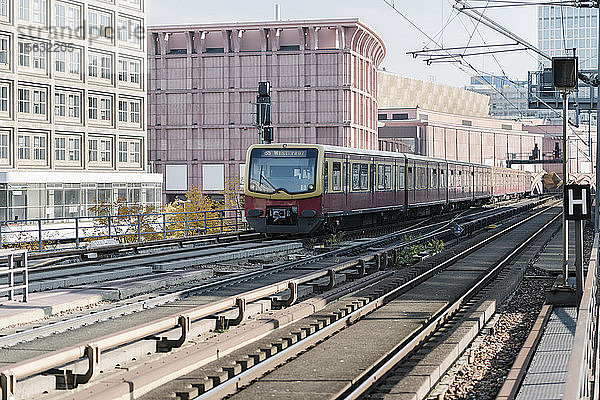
(564, 72)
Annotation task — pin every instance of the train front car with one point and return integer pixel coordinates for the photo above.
(284, 188)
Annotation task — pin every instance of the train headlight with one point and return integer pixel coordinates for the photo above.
(252, 186)
(311, 187)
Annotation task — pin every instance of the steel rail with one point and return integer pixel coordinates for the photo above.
(445, 314)
(232, 385)
(93, 349)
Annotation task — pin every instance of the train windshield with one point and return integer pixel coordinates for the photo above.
(289, 170)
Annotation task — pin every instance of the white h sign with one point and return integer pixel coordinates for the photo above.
(581, 201)
(578, 202)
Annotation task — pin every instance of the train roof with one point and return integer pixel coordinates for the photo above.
(377, 153)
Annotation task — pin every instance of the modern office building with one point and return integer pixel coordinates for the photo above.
(72, 107)
(203, 79)
(508, 99)
(562, 29)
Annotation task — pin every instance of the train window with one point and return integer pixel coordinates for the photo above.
(384, 177)
(442, 178)
(326, 177)
(336, 177)
(401, 177)
(421, 178)
(434, 179)
(364, 177)
(372, 176)
(360, 176)
(410, 179)
(451, 178)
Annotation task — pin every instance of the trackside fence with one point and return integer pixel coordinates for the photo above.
(16, 262)
(76, 232)
(582, 379)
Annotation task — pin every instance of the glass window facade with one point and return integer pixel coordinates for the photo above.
(67, 200)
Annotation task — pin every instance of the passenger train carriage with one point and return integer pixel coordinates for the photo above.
(297, 188)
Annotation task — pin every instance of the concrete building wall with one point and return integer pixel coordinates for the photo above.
(202, 79)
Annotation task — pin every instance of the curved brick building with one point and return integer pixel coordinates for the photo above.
(201, 79)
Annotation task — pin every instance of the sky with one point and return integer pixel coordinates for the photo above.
(436, 18)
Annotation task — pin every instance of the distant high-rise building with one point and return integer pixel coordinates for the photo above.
(562, 29)
(508, 99)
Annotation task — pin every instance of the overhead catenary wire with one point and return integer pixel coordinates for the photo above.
(461, 63)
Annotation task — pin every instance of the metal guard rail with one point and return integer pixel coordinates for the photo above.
(582, 379)
(11, 269)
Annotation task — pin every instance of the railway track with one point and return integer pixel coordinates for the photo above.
(320, 272)
(370, 333)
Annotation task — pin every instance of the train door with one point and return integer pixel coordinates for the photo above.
(346, 183)
(372, 182)
(410, 182)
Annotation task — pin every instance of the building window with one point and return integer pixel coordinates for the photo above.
(74, 149)
(99, 25)
(3, 8)
(123, 70)
(4, 55)
(102, 146)
(134, 72)
(24, 144)
(129, 30)
(122, 30)
(4, 146)
(74, 62)
(60, 104)
(105, 109)
(24, 147)
(60, 148)
(39, 147)
(122, 111)
(105, 67)
(60, 12)
(3, 98)
(39, 11)
(39, 102)
(93, 150)
(134, 152)
(32, 10)
(92, 107)
(93, 65)
(32, 55)
(134, 31)
(74, 108)
(67, 149)
(134, 112)
(24, 101)
(105, 150)
(60, 61)
(122, 151)
(24, 57)
(67, 16)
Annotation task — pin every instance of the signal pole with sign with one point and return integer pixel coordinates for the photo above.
(564, 75)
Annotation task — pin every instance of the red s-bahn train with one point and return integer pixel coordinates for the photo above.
(301, 188)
